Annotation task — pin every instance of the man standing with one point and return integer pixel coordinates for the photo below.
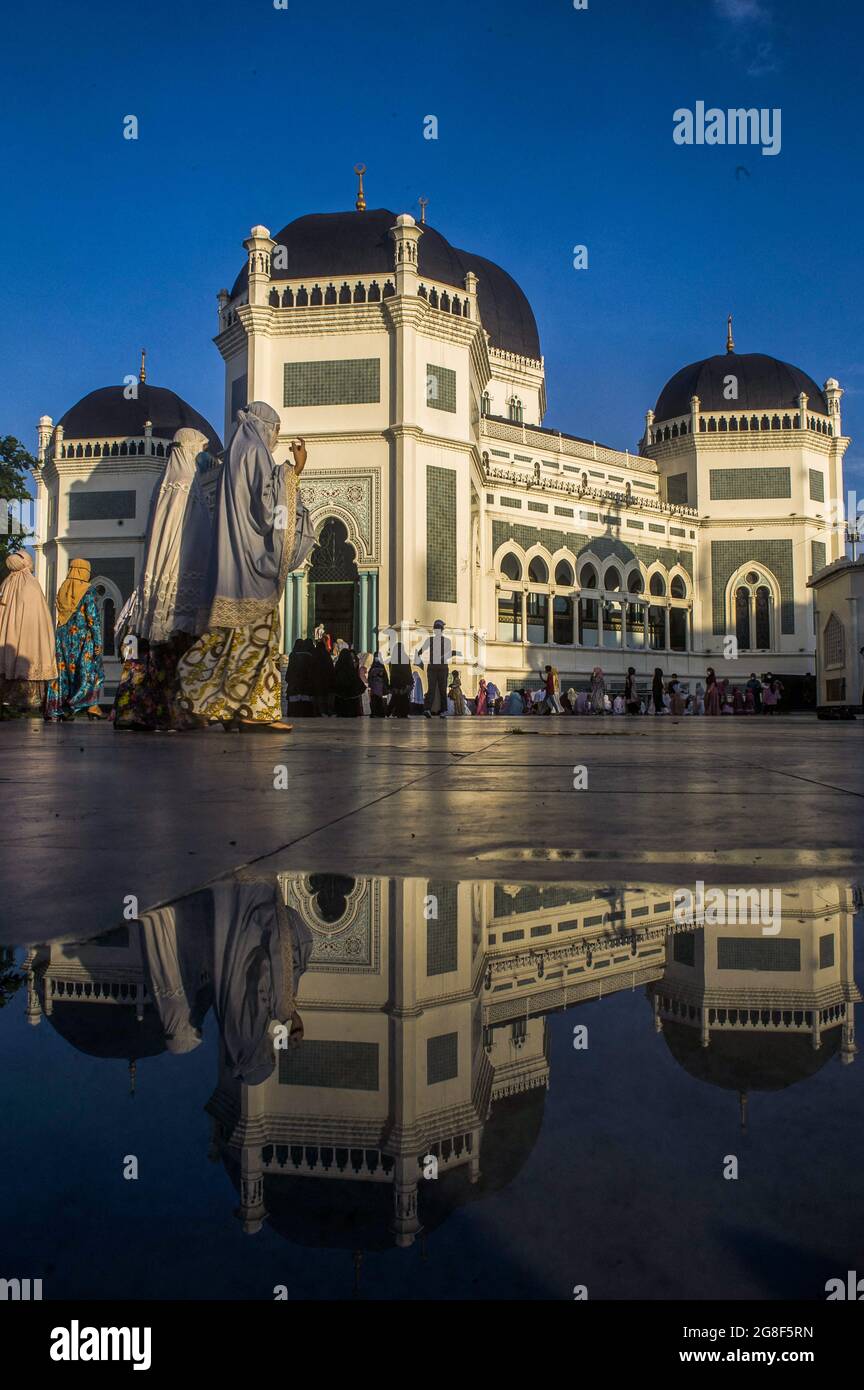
(755, 685)
(439, 649)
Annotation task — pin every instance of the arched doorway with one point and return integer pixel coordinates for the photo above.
(332, 581)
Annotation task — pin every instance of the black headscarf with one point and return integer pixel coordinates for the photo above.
(348, 682)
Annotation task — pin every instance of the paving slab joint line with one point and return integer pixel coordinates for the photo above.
(280, 849)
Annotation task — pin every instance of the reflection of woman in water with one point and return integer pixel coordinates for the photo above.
(176, 945)
(240, 948)
(260, 950)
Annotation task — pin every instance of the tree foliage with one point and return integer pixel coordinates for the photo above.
(15, 463)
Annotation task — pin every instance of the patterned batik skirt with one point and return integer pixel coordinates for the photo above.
(233, 673)
(148, 694)
(80, 672)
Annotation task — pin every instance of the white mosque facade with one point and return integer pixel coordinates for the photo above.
(414, 372)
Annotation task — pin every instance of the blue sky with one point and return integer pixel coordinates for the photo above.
(555, 129)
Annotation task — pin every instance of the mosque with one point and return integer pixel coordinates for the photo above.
(429, 1038)
(414, 371)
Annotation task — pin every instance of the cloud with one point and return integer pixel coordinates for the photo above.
(765, 60)
(741, 11)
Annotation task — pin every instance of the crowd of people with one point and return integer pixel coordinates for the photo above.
(331, 679)
(662, 696)
(200, 634)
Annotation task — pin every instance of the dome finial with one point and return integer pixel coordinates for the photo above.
(424, 203)
(360, 170)
(730, 341)
(142, 375)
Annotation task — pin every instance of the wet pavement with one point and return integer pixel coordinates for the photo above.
(430, 1022)
(99, 816)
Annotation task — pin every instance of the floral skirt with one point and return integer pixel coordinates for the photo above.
(233, 673)
(147, 696)
(19, 697)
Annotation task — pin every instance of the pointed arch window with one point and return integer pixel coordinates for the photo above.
(834, 642)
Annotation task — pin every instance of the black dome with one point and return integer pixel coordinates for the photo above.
(103, 1030)
(107, 412)
(764, 383)
(749, 1061)
(330, 245)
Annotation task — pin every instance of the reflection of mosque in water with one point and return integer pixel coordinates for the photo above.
(417, 1015)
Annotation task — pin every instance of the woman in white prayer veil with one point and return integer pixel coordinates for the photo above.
(261, 947)
(162, 615)
(176, 946)
(261, 533)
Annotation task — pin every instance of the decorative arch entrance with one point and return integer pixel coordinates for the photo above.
(332, 582)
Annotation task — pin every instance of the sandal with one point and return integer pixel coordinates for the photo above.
(278, 726)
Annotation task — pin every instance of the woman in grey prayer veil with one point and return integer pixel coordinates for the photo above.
(261, 947)
(261, 533)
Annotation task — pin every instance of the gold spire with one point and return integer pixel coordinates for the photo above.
(424, 203)
(142, 375)
(360, 170)
(730, 341)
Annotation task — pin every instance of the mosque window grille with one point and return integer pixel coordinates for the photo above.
(440, 535)
(442, 1058)
(521, 458)
(563, 511)
(660, 530)
(347, 381)
(677, 489)
(239, 394)
(442, 938)
(499, 453)
(333, 1064)
(515, 410)
(819, 555)
(537, 507)
(817, 485)
(781, 954)
(677, 531)
(102, 506)
(684, 948)
(826, 951)
(749, 484)
(635, 525)
(834, 642)
(511, 502)
(440, 388)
